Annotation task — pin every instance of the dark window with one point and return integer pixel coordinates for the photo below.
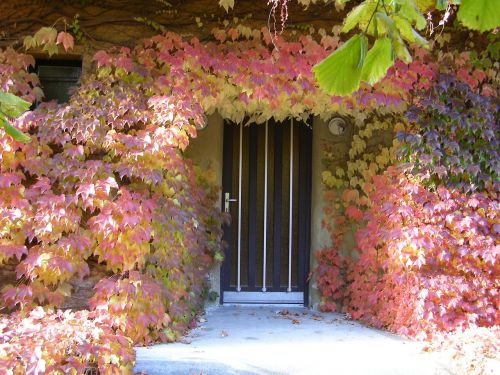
(58, 77)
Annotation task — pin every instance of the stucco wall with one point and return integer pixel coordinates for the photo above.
(319, 237)
(339, 145)
(338, 148)
(206, 152)
(124, 22)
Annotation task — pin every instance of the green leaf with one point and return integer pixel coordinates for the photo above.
(29, 42)
(218, 257)
(425, 5)
(46, 35)
(407, 32)
(13, 132)
(420, 40)
(387, 22)
(482, 15)
(362, 52)
(378, 60)
(104, 72)
(401, 51)
(366, 17)
(412, 13)
(404, 28)
(441, 4)
(12, 106)
(353, 18)
(339, 73)
(51, 48)
(38, 93)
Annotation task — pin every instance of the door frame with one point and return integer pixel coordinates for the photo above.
(304, 133)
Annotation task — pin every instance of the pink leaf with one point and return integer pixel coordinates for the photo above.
(102, 58)
(66, 40)
(354, 213)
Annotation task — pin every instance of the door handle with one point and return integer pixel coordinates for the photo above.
(228, 200)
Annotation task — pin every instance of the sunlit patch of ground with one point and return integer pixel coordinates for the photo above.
(288, 340)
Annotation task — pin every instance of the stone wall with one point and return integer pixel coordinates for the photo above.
(123, 22)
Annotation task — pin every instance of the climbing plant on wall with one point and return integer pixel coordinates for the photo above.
(12, 106)
(104, 178)
(386, 30)
(391, 26)
(425, 233)
(458, 137)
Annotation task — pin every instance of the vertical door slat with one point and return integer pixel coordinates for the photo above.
(227, 176)
(264, 242)
(290, 213)
(252, 206)
(238, 287)
(278, 161)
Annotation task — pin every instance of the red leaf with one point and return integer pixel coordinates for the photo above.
(102, 58)
(66, 40)
(354, 213)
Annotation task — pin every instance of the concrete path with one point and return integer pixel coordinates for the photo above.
(286, 340)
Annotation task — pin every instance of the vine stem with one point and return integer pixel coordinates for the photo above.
(62, 18)
(371, 17)
(272, 12)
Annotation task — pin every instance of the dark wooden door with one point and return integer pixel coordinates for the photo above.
(266, 189)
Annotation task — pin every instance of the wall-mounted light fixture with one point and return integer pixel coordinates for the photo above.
(337, 126)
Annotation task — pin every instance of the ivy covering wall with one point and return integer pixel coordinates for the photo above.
(104, 180)
(422, 205)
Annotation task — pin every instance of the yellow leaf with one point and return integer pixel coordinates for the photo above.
(226, 4)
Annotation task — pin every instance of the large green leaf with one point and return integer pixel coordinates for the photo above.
(366, 20)
(387, 22)
(407, 32)
(410, 11)
(401, 51)
(340, 73)
(482, 15)
(378, 60)
(13, 132)
(12, 106)
(353, 18)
